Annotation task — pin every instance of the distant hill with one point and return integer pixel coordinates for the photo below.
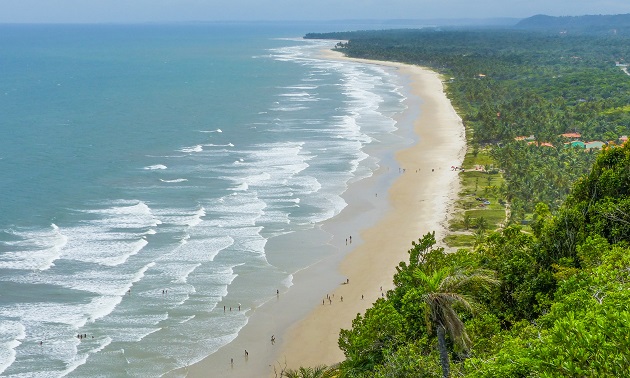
(591, 24)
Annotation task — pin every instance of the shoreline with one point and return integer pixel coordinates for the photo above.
(382, 221)
(417, 206)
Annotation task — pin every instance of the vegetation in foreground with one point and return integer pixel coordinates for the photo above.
(551, 301)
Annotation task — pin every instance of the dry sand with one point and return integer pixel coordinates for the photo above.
(382, 227)
(420, 201)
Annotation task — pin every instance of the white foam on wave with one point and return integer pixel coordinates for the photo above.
(110, 252)
(118, 232)
(218, 145)
(137, 277)
(184, 239)
(304, 87)
(186, 273)
(241, 187)
(288, 108)
(100, 307)
(211, 131)
(36, 249)
(104, 282)
(197, 217)
(182, 217)
(155, 167)
(295, 94)
(126, 214)
(187, 319)
(82, 358)
(194, 252)
(11, 334)
(174, 180)
(288, 281)
(188, 150)
(68, 314)
(259, 178)
(240, 209)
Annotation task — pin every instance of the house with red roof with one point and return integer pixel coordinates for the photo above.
(571, 135)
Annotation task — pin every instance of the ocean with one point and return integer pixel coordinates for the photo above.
(148, 171)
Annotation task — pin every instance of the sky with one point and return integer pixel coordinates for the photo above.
(139, 11)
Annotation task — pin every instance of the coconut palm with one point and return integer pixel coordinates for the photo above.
(467, 221)
(481, 223)
(444, 289)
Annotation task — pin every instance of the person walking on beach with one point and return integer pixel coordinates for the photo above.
(246, 354)
(273, 339)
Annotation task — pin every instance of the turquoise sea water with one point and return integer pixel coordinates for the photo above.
(144, 171)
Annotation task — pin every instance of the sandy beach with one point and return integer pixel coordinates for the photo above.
(304, 323)
(420, 200)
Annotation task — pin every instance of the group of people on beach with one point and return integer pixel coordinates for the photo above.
(273, 337)
(239, 307)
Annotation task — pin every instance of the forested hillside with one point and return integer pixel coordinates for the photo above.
(555, 303)
(592, 24)
(549, 301)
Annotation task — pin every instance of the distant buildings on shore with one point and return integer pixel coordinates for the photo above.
(574, 141)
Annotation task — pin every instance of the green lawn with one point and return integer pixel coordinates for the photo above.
(459, 240)
(476, 184)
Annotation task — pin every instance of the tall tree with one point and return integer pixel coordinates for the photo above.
(444, 290)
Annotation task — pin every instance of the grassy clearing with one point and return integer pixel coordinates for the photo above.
(480, 204)
(459, 240)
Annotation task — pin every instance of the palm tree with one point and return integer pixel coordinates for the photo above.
(444, 289)
(320, 371)
(467, 221)
(481, 223)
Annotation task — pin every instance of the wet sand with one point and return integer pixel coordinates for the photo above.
(382, 218)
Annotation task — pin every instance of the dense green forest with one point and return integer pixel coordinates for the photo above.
(510, 83)
(551, 300)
